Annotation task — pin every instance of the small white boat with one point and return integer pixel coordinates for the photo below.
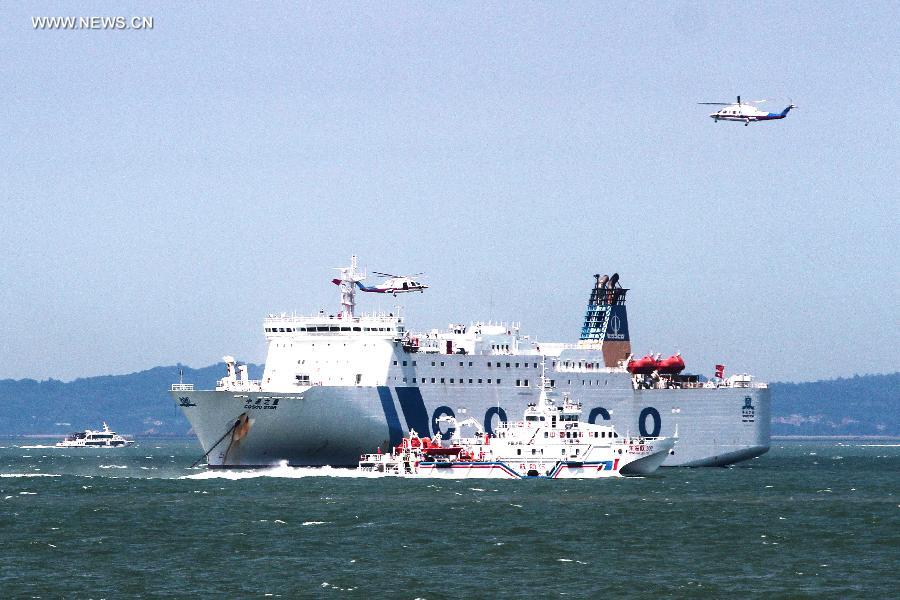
(90, 438)
(550, 442)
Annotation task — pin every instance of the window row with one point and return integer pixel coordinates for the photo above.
(579, 434)
(582, 365)
(463, 363)
(444, 380)
(324, 328)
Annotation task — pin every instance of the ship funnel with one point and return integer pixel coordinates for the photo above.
(606, 322)
(229, 364)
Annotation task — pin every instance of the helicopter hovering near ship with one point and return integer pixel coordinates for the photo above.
(394, 284)
(740, 111)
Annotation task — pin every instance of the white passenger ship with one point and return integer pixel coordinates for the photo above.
(336, 386)
(551, 441)
(90, 438)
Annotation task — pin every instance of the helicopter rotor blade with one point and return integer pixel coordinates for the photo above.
(717, 103)
(395, 275)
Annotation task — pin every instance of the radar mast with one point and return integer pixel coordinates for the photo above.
(348, 280)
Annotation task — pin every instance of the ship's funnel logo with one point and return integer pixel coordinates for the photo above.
(615, 324)
(748, 412)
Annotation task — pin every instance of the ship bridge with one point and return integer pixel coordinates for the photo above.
(294, 326)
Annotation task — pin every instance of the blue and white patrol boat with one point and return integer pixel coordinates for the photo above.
(337, 385)
(550, 441)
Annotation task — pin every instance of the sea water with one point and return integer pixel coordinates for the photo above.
(810, 519)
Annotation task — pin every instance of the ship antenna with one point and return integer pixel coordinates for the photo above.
(544, 380)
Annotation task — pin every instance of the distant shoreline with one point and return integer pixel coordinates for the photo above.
(46, 436)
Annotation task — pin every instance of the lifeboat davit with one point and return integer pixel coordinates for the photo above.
(672, 365)
(641, 366)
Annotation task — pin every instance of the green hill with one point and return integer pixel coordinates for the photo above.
(859, 405)
(137, 403)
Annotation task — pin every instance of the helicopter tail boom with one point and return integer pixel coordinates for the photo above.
(366, 288)
(781, 115)
(358, 284)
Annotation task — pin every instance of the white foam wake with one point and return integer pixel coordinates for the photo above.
(281, 471)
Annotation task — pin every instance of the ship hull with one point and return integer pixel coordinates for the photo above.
(334, 425)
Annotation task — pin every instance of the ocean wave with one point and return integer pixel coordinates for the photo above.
(28, 475)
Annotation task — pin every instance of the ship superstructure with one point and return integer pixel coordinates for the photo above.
(336, 385)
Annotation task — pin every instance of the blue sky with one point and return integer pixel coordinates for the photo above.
(163, 190)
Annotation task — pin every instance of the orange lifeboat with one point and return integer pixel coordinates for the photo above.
(641, 366)
(672, 365)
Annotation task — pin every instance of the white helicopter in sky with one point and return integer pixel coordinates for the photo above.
(745, 112)
(394, 284)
